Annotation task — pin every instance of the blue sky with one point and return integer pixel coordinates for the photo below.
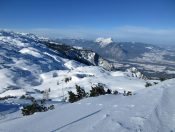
(151, 21)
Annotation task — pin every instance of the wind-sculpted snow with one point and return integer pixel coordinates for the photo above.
(24, 58)
(147, 110)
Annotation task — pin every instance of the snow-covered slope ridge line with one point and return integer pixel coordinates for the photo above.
(148, 110)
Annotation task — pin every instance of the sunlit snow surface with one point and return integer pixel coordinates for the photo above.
(87, 76)
(28, 67)
(148, 110)
(23, 59)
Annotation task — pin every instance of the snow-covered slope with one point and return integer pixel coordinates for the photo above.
(148, 110)
(30, 65)
(23, 57)
(86, 77)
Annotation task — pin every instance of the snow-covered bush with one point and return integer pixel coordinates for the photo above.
(72, 97)
(67, 79)
(97, 90)
(75, 97)
(7, 97)
(148, 84)
(35, 107)
(80, 92)
(109, 91)
(27, 97)
(51, 107)
(55, 74)
(115, 92)
(162, 79)
(129, 93)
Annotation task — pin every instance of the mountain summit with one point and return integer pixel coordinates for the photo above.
(104, 41)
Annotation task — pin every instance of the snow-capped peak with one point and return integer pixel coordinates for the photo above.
(104, 41)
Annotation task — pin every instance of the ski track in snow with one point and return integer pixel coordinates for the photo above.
(80, 119)
(149, 110)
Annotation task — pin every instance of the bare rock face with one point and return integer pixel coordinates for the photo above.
(134, 72)
(87, 57)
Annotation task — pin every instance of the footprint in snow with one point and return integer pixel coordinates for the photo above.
(88, 103)
(106, 115)
(115, 105)
(100, 104)
(130, 106)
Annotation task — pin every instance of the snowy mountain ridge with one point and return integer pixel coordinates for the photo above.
(30, 65)
(104, 41)
(28, 61)
(152, 60)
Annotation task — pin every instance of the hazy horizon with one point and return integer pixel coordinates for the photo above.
(124, 20)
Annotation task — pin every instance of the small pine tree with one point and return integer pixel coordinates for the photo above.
(67, 79)
(115, 92)
(162, 79)
(97, 90)
(109, 91)
(148, 84)
(34, 107)
(129, 93)
(72, 97)
(80, 92)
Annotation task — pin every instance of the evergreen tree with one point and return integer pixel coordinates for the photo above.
(115, 92)
(148, 84)
(80, 92)
(97, 90)
(109, 91)
(162, 79)
(129, 93)
(72, 97)
(34, 107)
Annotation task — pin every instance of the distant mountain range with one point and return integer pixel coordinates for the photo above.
(151, 59)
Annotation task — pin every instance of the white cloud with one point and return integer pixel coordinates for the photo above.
(124, 33)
